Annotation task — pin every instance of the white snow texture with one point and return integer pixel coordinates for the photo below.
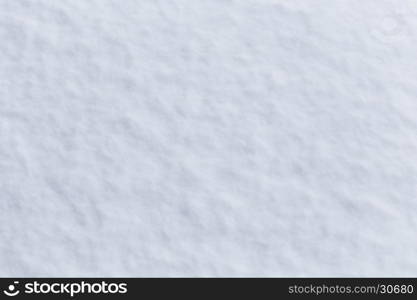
(208, 138)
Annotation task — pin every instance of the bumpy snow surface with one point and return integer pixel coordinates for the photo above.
(208, 138)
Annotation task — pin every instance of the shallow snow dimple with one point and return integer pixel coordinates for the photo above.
(208, 138)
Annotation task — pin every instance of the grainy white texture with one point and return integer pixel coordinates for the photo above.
(208, 138)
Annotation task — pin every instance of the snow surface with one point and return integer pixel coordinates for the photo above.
(208, 138)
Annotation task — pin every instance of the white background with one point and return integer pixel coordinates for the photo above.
(208, 138)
